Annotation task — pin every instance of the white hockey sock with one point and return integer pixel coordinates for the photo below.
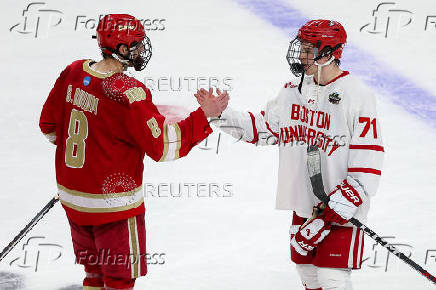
(308, 275)
(334, 279)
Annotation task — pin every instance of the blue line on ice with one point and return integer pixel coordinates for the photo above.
(403, 92)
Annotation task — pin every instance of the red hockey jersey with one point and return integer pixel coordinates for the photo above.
(103, 125)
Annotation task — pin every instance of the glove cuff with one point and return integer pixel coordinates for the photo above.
(330, 216)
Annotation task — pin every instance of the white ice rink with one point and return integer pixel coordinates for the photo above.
(220, 242)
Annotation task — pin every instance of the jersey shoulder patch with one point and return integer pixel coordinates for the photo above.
(124, 89)
(290, 85)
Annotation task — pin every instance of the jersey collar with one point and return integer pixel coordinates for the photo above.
(344, 73)
(87, 68)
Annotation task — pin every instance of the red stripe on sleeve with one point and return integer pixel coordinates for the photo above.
(365, 170)
(368, 147)
(267, 125)
(253, 123)
(272, 132)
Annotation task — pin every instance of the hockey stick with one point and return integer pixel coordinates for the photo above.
(28, 227)
(314, 167)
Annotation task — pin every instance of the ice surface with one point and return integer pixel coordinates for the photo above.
(237, 242)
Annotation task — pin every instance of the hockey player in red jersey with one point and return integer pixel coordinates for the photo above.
(103, 122)
(331, 109)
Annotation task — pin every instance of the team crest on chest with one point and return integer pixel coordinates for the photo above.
(334, 98)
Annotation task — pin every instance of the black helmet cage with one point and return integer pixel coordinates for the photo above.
(294, 53)
(139, 62)
(294, 57)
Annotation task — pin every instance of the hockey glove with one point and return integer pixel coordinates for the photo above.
(344, 201)
(310, 234)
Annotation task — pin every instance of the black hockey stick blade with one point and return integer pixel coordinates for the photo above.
(314, 168)
(28, 227)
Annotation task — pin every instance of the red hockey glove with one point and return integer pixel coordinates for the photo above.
(310, 234)
(344, 201)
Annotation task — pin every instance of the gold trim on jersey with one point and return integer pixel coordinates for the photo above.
(102, 210)
(92, 288)
(87, 68)
(134, 247)
(100, 195)
(179, 140)
(165, 143)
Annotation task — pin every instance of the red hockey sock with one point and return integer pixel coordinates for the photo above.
(118, 283)
(93, 284)
(93, 279)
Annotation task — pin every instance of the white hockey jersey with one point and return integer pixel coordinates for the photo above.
(340, 117)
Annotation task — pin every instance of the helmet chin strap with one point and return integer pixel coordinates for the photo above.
(319, 68)
(124, 62)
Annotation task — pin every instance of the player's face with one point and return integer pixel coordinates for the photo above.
(306, 57)
(141, 54)
(140, 48)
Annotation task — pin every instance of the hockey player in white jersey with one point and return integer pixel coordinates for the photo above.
(329, 108)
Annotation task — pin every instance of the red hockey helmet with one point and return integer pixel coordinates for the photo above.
(115, 30)
(328, 38)
(326, 35)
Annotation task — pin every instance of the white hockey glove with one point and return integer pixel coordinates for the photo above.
(310, 234)
(344, 201)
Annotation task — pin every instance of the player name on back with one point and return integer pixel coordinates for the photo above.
(82, 99)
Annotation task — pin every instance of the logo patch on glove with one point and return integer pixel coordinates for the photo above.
(310, 230)
(350, 193)
(305, 246)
